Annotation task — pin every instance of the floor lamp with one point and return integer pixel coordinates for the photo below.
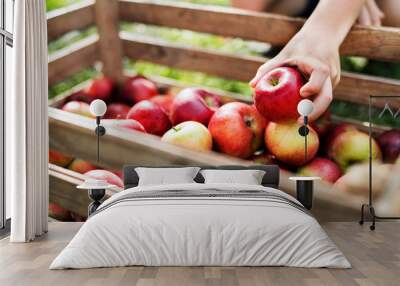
(370, 206)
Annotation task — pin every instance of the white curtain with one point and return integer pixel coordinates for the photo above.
(27, 124)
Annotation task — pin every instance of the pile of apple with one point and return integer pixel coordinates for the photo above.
(266, 132)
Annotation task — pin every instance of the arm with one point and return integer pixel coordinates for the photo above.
(315, 50)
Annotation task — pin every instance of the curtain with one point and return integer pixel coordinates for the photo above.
(27, 124)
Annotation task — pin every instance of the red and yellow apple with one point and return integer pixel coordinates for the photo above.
(237, 129)
(277, 94)
(78, 107)
(81, 166)
(189, 134)
(321, 167)
(138, 88)
(59, 158)
(284, 141)
(151, 116)
(351, 147)
(117, 111)
(107, 176)
(194, 104)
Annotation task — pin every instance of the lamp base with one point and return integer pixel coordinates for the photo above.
(303, 131)
(100, 130)
(373, 216)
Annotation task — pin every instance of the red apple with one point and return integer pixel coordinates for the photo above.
(59, 213)
(107, 176)
(119, 173)
(237, 129)
(130, 124)
(151, 116)
(284, 141)
(59, 158)
(164, 101)
(390, 144)
(189, 134)
(117, 111)
(336, 131)
(320, 167)
(351, 147)
(138, 88)
(277, 94)
(194, 104)
(100, 88)
(78, 107)
(81, 166)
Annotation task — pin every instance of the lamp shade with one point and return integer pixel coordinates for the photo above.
(305, 107)
(98, 107)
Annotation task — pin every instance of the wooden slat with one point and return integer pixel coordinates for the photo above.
(377, 43)
(72, 59)
(74, 17)
(353, 87)
(110, 50)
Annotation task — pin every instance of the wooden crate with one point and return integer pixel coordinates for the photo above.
(74, 134)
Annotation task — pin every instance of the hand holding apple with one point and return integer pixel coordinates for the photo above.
(190, 134)
(277, 94)
(237, 129)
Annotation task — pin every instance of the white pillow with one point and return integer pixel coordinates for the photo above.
(164, 176)
(248, 177)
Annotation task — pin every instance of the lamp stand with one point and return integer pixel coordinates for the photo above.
(303, 131)
(370, 206)
(100, 131)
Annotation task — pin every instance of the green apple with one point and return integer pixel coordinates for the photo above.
(352, 147)
(189, 134)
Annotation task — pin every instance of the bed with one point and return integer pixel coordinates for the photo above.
(201, 224)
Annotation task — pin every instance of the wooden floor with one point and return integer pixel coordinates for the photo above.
(375, 257)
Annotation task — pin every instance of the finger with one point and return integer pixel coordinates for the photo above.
(262, 70)
(316, 82)
(375, 13)
(322, 101)
(364, 18)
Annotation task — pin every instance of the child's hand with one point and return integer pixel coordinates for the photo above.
(317, 60)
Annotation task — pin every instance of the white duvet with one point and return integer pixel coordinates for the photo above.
(202, 231)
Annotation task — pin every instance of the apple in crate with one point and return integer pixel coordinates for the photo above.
(100, 88)
(277, 94)
(335, 132)
(321, 167)
(78, 107)
(130, 124)
(237, 129)
(164, 101)
(107, 176)
(59, 213)
(352, 147)
(151, 116)
(138, 88)
(81, 166)
(284, 141)
(189, 134)
(117, 111)
(59, 159)
(390, 144)
(194, 104)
